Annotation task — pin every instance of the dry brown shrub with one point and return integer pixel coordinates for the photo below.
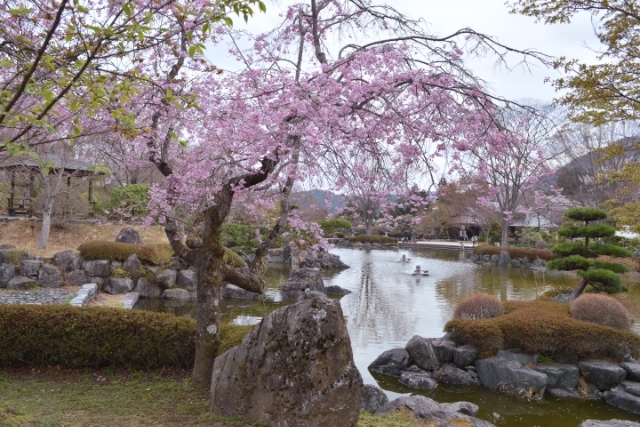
(478, 306)
(544, 327)
(602, 310)
(514, 253)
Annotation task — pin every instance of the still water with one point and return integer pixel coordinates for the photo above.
(388, 306)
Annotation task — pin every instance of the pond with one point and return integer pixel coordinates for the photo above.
(388, 306)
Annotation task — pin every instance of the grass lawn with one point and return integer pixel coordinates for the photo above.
(19, 233)
(47, 397)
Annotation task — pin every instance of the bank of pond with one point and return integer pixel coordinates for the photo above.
(396, 319)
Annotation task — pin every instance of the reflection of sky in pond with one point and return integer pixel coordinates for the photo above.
(246, 320)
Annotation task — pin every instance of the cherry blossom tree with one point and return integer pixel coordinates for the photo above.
(312, 91)
(510, 164)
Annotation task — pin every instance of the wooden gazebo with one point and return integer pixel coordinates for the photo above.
(69, 168)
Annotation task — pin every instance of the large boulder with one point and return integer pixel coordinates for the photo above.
(603, 375)
(418, 379)
(511, 377)
(465, 355)
(323, 260)
(373, 398)
(186, 279)
(166, 279)
(450, 374)
(516, 355)
(133, 267)
(7, 272)
(148, 288)
(49, 277)
(129, 235)
(230, 291)
(437, 414)
(392, 362)
(336, 290)
(22, 283)
(30, 267)
(560, 375)
(422, 352)
(610, 423)
(176, 294)
(99, 268)
(444, 349)
(301, 280)
(295, 368)
(504, 259)
(77, 278)
(633, 370)
(625, 396)
(68, 261)
(118, 285)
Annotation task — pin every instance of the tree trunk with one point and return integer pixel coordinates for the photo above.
(578, 290)
(209, 281)
(505, 234)
(368, 223)
(46, 225)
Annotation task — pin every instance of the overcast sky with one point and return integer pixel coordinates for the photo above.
(491, 17)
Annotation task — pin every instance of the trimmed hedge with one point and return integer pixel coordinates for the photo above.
(478, 306)
(156, 254)
(97, 336)
(547, 328)
(530, 253)
(363, 238)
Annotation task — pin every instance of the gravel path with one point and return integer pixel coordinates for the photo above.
(40, 296)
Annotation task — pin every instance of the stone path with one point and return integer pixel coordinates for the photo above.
(40, 296)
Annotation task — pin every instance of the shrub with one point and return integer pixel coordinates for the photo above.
(567, 249)
(547, 328)
(611, 250)
(611, 266)
(478, 306)
(363, 238)
(530, 253)
(97, 336)
(339, 235)
(129, 201)
(329, 226)
(603, 280)
(585, 214)
(573, 262)
(156, 254)
(602, 310)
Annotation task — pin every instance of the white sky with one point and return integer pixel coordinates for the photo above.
(491, 17)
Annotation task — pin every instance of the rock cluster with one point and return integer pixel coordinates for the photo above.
(504, 260)
(425, 362)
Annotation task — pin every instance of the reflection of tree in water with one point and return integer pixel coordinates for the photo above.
(373, 315)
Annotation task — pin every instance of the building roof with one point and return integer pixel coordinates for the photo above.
(70, 166)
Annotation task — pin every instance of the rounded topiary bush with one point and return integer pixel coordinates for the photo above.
(602, 310)
(478, 306)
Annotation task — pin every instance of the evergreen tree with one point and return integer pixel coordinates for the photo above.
(603, 276)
